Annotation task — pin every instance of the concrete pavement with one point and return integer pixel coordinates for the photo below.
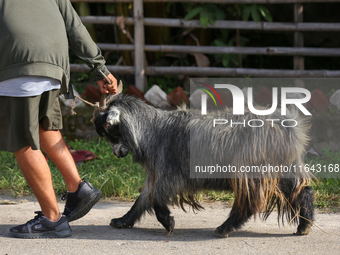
(194, 233)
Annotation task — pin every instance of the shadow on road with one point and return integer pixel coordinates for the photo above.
(100, 232)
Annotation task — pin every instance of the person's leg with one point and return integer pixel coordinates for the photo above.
(54, 145)
(21, 136)
(36, 171)
(81, 195)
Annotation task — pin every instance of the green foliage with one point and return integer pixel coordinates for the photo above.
(123, 178)
(110, 8)
(228, 60)
(326, 191)
(208, 13)
(256, 12)
(166, 82)
(112, 176)
(81, 77)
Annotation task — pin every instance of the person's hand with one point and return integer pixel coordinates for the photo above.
(106, 88)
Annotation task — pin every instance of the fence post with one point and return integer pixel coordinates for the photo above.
(138, 15)
(299, 63)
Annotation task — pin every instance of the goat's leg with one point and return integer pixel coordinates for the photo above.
(305, 203)
(163, 216)
(138, 209)
(235, 221)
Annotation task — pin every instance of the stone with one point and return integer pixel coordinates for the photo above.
(195, 99)
(133, 91)
(177, 97)
(264, 97)
(335, 99)
(227, 101)
(91, 94)
(68, 102)
(319, 101)
(308, 105)
(157, 97)
(245, 93)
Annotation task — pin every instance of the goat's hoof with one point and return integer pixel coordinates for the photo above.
(303, 231)
(119, 223)
(171, 228)
(221, 233)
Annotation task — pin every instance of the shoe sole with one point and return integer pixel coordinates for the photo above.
(84, 206)
(50, 234)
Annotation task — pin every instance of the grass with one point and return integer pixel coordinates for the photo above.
(113, 177)
(326, 191)
(121, 178)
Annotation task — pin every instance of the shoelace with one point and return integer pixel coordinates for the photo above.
(64, 196)
(36, 218)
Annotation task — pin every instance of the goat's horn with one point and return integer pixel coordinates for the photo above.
(119, 88)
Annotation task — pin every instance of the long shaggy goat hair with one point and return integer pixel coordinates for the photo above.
(165, 141)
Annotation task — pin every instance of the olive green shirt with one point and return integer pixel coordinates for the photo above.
(35, 37)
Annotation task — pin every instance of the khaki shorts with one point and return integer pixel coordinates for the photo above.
(20, 118)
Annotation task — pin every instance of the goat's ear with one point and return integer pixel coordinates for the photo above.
(113, 116)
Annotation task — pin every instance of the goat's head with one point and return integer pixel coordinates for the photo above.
(107, 124)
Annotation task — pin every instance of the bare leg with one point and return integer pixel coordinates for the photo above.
(54, 145)
(37, 173)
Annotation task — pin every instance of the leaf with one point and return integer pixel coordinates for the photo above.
(211, 7)
(84, 9)
(231, 11)
(187, 6)
(225, 60)
(218, 42)
(265, 13)
(232, 42)
(234, 59)
(224, 33)
(218, 57)
(246, 13)
(255, 13)
(204, 18)
(168, 7)
(219, 14)
(243, 40)
(194, 12)
(110, 8)
(212, 18)
(201, 60)
(238, 9)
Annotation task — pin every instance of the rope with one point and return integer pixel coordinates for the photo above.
(96, 107)
(73, 104)
(99, 106)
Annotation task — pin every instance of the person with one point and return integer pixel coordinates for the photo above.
(34, 68)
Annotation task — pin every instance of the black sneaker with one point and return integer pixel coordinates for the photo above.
(80, 202)
(42, 227)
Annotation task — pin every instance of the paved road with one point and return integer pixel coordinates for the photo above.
(194, 233)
